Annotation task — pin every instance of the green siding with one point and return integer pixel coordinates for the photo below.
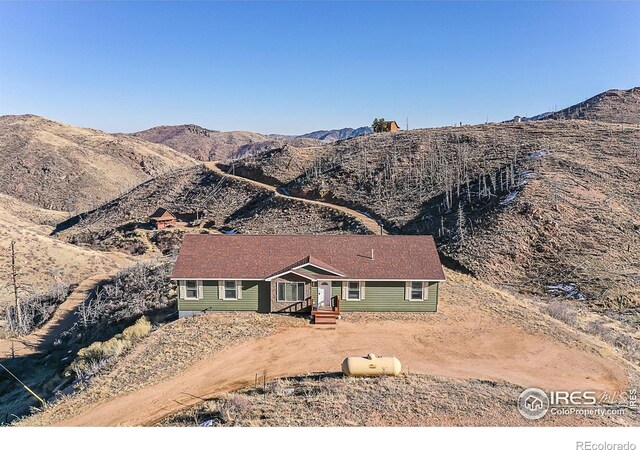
(251, 292)
(389, 296)
(314, 292)
(379, 296)
(336, 288)
(313, 271)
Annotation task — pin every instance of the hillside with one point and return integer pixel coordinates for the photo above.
(337, 135)
(337, 401)
(43, 261)
(210, 145)
(62, 167)
(614, 106)
(480, 336)
(543, 206)
(220, 203)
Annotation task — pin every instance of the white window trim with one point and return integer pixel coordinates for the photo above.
(238, 288)
(361, 287)
(290, 282)
(422, 285)
(184, 290)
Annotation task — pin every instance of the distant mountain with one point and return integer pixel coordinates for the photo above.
(57, 166)
(337, 135)
(211, 145)
(200, 143)
(613, 106)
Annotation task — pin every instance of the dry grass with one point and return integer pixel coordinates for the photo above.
(44, 261)
(407, 400)
(571, 220)
(165, 353)
(211, 145)
(615, 106)
(58, 166)
(92, 358)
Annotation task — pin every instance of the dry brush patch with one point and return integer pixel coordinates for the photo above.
(406, 400)
(58, 166)
(164, 354)
(220, 203)
(546, 207)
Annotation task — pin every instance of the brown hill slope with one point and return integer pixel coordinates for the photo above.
(614, 106)
(209, 145)
(42, 260)
(58, 166)
(549, 206)
(219, 201)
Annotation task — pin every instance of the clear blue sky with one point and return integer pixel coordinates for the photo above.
(295, 67)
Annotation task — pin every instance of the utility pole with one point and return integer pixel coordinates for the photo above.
(14, 277)
(27, 388)
(407, 124)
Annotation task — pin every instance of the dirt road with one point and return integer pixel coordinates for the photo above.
(367, 221)
(62, 320)
(464, 339)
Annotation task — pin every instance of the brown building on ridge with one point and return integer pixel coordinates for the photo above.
(162, 218)
(392, 126)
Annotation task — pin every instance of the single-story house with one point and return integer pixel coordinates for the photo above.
(316, 273)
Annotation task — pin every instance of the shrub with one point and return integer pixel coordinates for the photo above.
(138, 330)
(134, 291)
(36, 309)
(234, 407)
(562, 311)
(92, 358)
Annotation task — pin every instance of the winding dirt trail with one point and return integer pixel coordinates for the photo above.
(370, 223)
(61, 321)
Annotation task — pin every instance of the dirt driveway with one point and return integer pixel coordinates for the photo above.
(474, 349)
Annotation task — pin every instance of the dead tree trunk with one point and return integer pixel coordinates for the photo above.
(14, 279)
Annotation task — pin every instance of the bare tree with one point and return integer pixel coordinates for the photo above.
(461, 226)
(14, 281)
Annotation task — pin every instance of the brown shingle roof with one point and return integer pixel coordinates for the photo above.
(162, 213)
(260, 256)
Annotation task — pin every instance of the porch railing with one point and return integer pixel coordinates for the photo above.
(335, 305)
(298, 306)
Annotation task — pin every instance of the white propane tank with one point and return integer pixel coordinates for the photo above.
(371, 366)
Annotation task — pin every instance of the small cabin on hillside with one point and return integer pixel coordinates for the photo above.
(391, 126)
(318, 274)
(162, 218)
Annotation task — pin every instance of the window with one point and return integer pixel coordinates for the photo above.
(191, 290)
(353, 292)
(417, 291)
(290, 292)
(230, 290)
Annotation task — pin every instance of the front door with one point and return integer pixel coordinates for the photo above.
(324, 294)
